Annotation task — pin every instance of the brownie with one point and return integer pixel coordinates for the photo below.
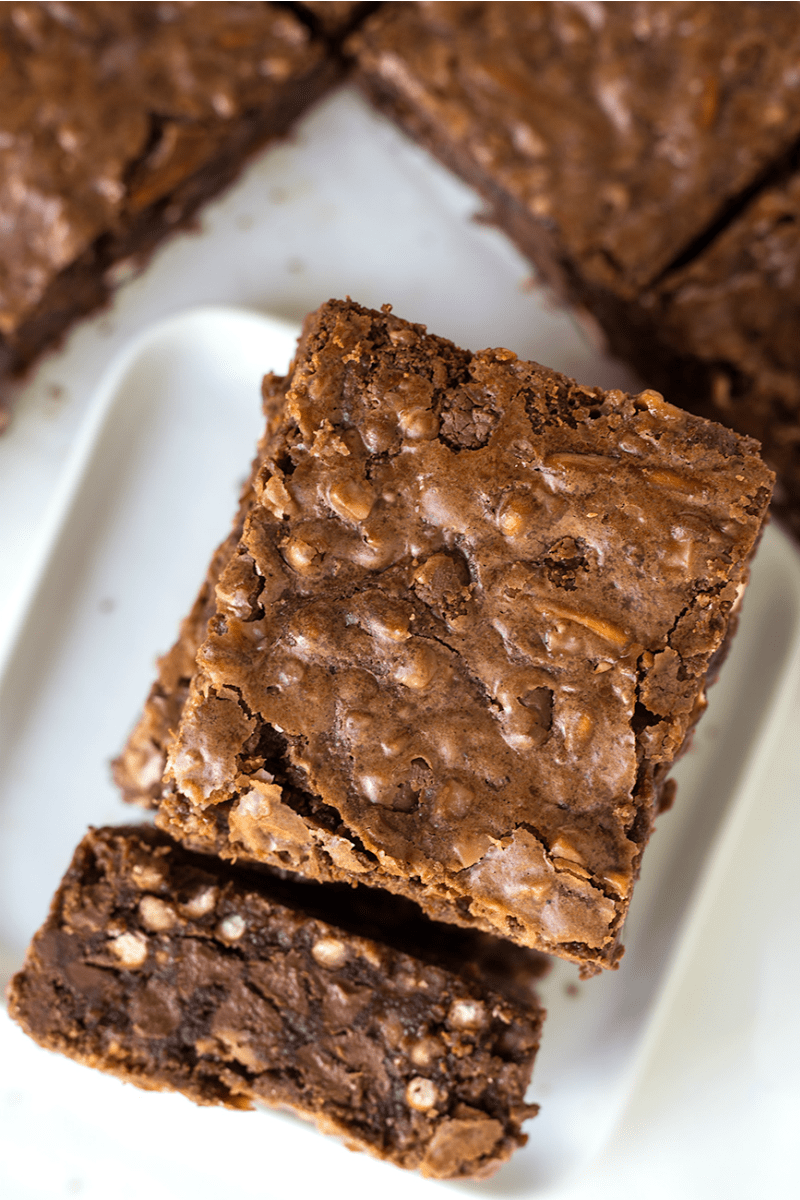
(119, 119)
(638, 154)
(464, 634)
(172, 971)
(586, 124)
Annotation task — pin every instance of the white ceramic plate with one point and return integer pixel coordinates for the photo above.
(148, 492)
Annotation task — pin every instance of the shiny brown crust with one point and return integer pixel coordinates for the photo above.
(174, 972)
(465, 632)
(119, 119)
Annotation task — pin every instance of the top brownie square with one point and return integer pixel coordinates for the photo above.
(464, 633)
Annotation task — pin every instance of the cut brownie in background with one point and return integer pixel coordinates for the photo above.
(615, 132)
(465, 632)
(172, 971)
(118, 119)
(631, 151)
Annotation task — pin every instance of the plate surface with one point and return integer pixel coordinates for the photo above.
(149, 490)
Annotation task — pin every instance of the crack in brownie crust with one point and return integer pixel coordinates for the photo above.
(465, 632)
(172, 971)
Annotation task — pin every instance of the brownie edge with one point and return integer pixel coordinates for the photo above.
(174, 972)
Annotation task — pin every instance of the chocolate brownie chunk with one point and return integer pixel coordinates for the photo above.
(465, 632)
(644, 157)
(586, 124)
(174, 972)
(118, 120)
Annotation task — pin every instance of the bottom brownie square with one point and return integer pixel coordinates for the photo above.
(173, 971)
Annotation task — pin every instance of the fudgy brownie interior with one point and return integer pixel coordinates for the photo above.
(174, 971)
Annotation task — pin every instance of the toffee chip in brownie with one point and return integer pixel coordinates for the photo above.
(119, 119)
(465, 632)
(173, 971)
(644, 157)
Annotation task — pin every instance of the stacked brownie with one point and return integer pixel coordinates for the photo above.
(457, 576)
(461, 628)
(645, 157)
